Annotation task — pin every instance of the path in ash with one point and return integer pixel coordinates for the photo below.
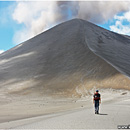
(111, 115)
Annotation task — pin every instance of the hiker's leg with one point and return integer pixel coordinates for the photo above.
(97, 107)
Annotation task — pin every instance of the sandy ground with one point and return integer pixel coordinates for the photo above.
(114, 111)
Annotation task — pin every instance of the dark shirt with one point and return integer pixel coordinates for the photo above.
(96, 97)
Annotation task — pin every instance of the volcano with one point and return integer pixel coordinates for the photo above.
(67, 60)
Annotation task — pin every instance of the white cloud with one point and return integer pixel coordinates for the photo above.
(1, 51)
(36, 16)
(120, 24)
(101, 11)
(39, 16)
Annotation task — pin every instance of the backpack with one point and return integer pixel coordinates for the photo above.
(96, 96)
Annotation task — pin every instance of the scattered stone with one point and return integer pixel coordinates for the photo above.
(124, 93)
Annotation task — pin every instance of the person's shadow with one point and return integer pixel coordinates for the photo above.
(102, 114)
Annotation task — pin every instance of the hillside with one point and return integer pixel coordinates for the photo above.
(67, 60)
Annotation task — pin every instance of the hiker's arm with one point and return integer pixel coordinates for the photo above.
(93, 100)
(100, 101)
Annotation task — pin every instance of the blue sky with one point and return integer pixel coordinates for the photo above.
(6, 27)
(15, 28)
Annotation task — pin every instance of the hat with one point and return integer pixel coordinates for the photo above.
(96, 90)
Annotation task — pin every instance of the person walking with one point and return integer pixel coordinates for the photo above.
(96, 101)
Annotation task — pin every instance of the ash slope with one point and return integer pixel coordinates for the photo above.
(68, 59)
(112, 47)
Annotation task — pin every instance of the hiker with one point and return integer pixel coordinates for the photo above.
(96, 101)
